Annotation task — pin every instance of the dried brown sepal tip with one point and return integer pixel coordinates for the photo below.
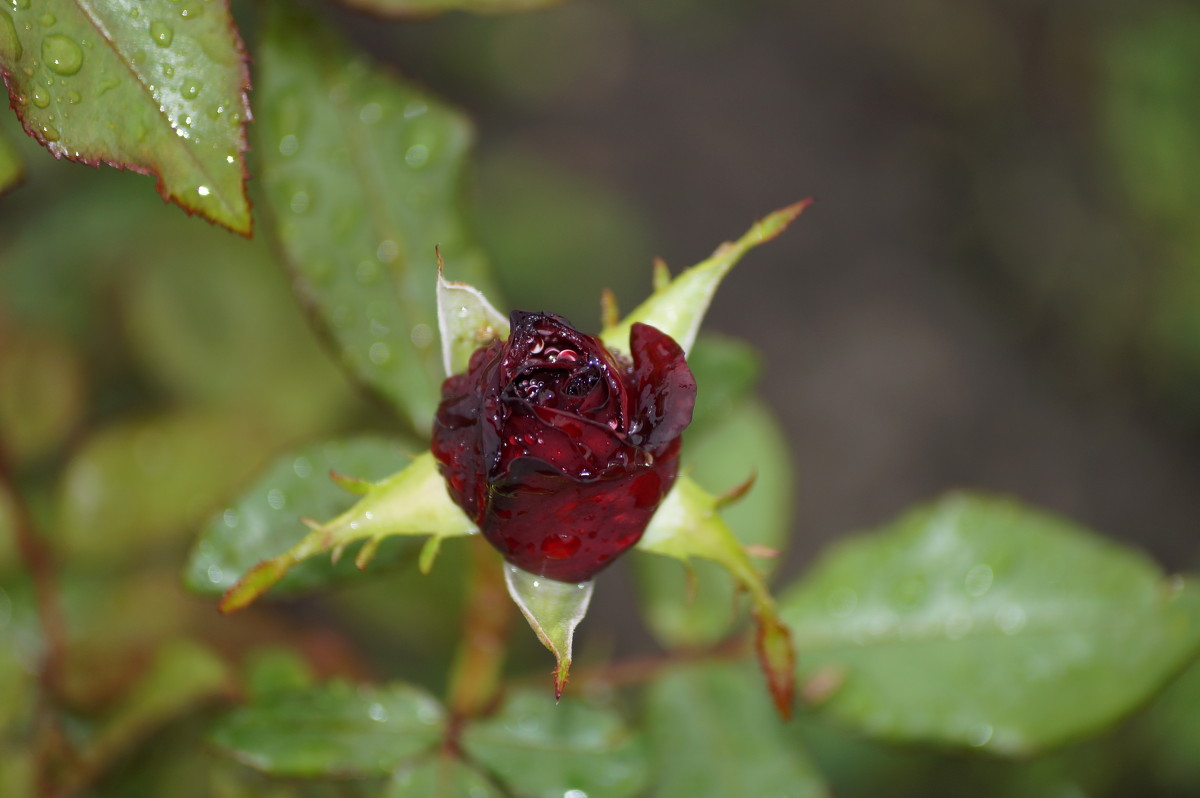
(777, 658)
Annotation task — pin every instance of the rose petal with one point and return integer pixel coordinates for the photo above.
(665, 390)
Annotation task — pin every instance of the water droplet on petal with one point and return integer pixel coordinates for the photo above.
(161, 33)
(62, 54)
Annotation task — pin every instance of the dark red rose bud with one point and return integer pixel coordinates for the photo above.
(560, 449)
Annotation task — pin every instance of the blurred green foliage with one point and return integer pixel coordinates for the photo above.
(158, 376)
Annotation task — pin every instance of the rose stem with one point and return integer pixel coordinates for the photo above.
(475, 675)
(39, 562)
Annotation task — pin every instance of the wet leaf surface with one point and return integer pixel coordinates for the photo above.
(977, 622)
(336, 729)
(264, 521)
(439, 777)
(411, 502)
(713, 733)
(363, 173)
(157, 87)
(540, 749)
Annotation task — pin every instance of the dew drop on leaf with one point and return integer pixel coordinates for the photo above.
(191, 89)
(288, 145)
(379, 353)
(978, 580)
(416, 156)
(62, 54)
(161, 33)
(50, 133)
(41, 98)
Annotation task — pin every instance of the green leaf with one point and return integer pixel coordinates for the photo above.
(183, 674)
(713, 734)
(158, 87)
(439, 777)
(43, 394)
(466, 321)
(726, 370)
(698, 606)
(678, 307)
(412, 501)
(687, 525)
(11, 167)
(540, 749)
(362, 172)
(265, 521)
(337, 729)
(975, 621)
(138, 483)
(553, 610)
(214, 321)
(427, 8)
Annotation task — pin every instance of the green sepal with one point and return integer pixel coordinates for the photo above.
(412, 501)
(688, 525)
(466, 321)
(678, 306)
(553, 610)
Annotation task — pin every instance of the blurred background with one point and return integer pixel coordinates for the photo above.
(997, 285)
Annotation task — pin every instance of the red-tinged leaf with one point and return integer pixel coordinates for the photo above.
(155, 86)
